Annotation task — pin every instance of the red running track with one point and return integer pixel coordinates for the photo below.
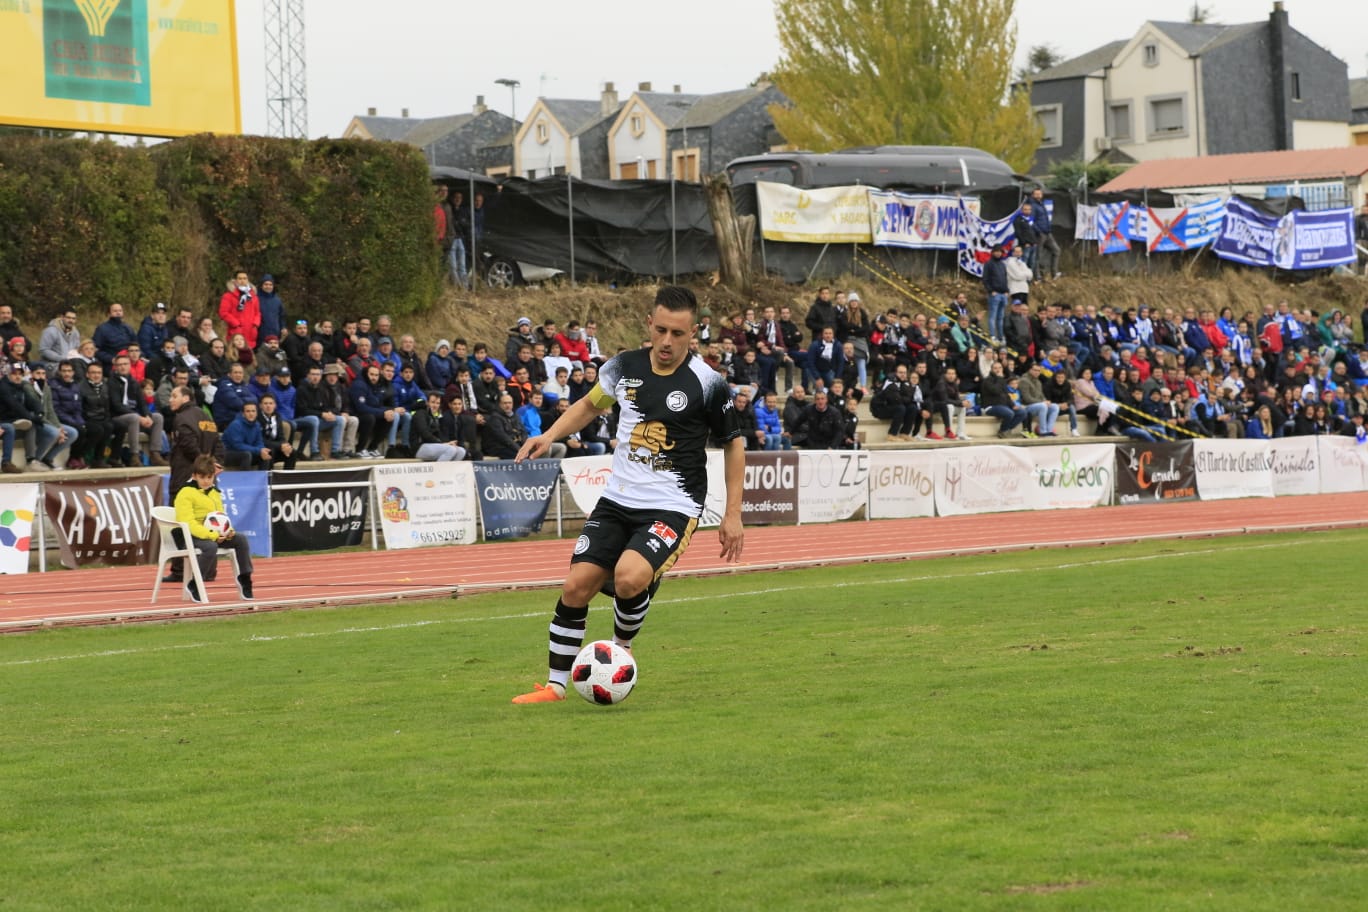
(121, 594)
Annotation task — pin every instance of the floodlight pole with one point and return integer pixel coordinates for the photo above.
(512, 95)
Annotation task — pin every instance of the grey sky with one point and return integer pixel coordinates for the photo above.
(434, 56)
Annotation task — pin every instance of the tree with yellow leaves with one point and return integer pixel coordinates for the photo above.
(902, 72)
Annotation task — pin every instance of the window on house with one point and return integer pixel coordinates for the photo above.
(1151, 54)
(1296, 87)
(637, 125)
(1049, 120)
(1167, 116)
(1119, 121)
(543, 134)
(558, 171)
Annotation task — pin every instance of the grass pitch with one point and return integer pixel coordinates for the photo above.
(1160, 726)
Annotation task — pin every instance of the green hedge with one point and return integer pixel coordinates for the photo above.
(343, 225)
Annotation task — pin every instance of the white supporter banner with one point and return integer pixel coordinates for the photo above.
(837, 215)
(587, 478)
(984, 479)
(18, 508)
(1072, 477)
(1227, 469)
(905, 220)
(426, 503)
(832, 484)
(1343, 465)
(1085, 223)
(902, 483)
(1296, 465)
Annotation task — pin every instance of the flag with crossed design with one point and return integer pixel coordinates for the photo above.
(978, 237)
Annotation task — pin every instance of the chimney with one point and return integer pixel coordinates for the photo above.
(370, 112)
(403, 112)
(643, 87)
(480, 106)
(608, 101)
(677, 88)
(1279, 33)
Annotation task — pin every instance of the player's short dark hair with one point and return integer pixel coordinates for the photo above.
(675, 298)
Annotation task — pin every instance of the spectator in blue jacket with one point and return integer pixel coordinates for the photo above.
(1047, 252)
(441, 367)
(407, 391)
(153, 333)
(374, 416)
(230, 394)
(767, 419)
(995, 283)
(825, 359)
(243, 445)
(283, 388)
(113, 336)
(273, 321)
(530, 416)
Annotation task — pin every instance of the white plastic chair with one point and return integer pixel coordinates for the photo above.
(166, 522)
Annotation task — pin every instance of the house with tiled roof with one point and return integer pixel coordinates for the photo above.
(449, 141)
(676, 134)
(566, 135)
(1322, 178)
(1358, 111)
(1182, 89)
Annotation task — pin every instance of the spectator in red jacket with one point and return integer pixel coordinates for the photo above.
(572, 343)
(240, 309)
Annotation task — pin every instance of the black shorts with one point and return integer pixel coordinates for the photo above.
(657, 535)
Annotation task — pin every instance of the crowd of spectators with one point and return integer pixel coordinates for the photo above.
(280, 390)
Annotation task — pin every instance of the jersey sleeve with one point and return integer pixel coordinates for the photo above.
(721, 414)
(602, 393)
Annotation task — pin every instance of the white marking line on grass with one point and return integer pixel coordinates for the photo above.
(1073, 565)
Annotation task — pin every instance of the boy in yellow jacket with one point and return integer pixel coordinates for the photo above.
(194, 502)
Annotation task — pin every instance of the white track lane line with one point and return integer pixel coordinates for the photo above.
(929, 577)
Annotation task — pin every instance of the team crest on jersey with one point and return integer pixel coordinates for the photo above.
(582, 544)
(677, 401)
(664, 533)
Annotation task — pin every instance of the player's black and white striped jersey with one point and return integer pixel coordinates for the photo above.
(660, 461)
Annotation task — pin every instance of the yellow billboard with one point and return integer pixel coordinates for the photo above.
(147, 67)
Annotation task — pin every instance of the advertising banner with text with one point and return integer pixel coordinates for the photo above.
(1343, 465)
(1151, 472)
(108, 521)
(1296, 465)
(770, 491)
(247, 501)
(1068, 477)
(586, 477)
(426, 503)
(836, 215)
(1227, 469)
(832, 484)
(18, 506)
(514, 496)
(984, 479)
(147, 67)
(319, 510)
(902, 483)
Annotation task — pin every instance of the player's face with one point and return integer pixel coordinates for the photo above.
(669, 331)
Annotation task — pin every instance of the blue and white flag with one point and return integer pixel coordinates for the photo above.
(1113, 227)
(1205, 214)
(1297, 240)
(978, 237)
